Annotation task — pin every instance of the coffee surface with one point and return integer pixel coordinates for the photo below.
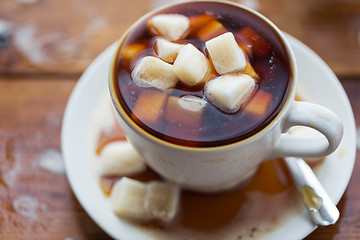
(264, 51)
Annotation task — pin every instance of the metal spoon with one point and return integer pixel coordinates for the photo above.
(322, 210)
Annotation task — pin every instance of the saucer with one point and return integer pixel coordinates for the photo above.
(317, 84)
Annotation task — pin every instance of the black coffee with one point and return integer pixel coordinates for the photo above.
(267, 61)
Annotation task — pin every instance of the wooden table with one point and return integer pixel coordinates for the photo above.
(50, 43)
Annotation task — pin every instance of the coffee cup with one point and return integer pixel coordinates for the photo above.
(220, 149)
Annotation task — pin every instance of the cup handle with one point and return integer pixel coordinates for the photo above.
(314, 116)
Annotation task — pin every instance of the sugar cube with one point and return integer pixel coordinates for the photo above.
(154, 72)
(128, 198)
(170, 26)
(186, 110)
(167, 50)
(161, 200)
(229, 92)
(120, 158)
(190, 65)
(225, 54)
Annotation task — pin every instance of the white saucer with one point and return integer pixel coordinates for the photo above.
(317, 83)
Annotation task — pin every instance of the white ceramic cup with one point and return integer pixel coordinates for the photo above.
(210, 169)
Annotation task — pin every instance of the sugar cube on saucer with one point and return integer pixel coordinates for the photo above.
(120, 158)
(161, 200)
(127, 199)
(133, 199)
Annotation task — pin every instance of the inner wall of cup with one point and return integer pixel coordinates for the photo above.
(254, 20)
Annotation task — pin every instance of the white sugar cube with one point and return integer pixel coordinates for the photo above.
(186, 110)
(171, 26)
(167, 50)
(192, 103)
(128, 198)
(191, 65)
(161, 200)
(154, 72)
(120, 158)
(229, 92)
(133, 199)
(225, 54)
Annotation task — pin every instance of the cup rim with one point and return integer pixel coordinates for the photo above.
(282, 113)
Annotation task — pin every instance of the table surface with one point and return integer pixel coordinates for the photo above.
(50, 43)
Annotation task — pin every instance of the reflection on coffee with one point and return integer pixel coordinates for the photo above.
(202, 74)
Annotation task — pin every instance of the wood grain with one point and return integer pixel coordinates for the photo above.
(49, 46)
(43, 39)
(62, 36)
(30, 123)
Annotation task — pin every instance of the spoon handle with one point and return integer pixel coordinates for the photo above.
(322, 210)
